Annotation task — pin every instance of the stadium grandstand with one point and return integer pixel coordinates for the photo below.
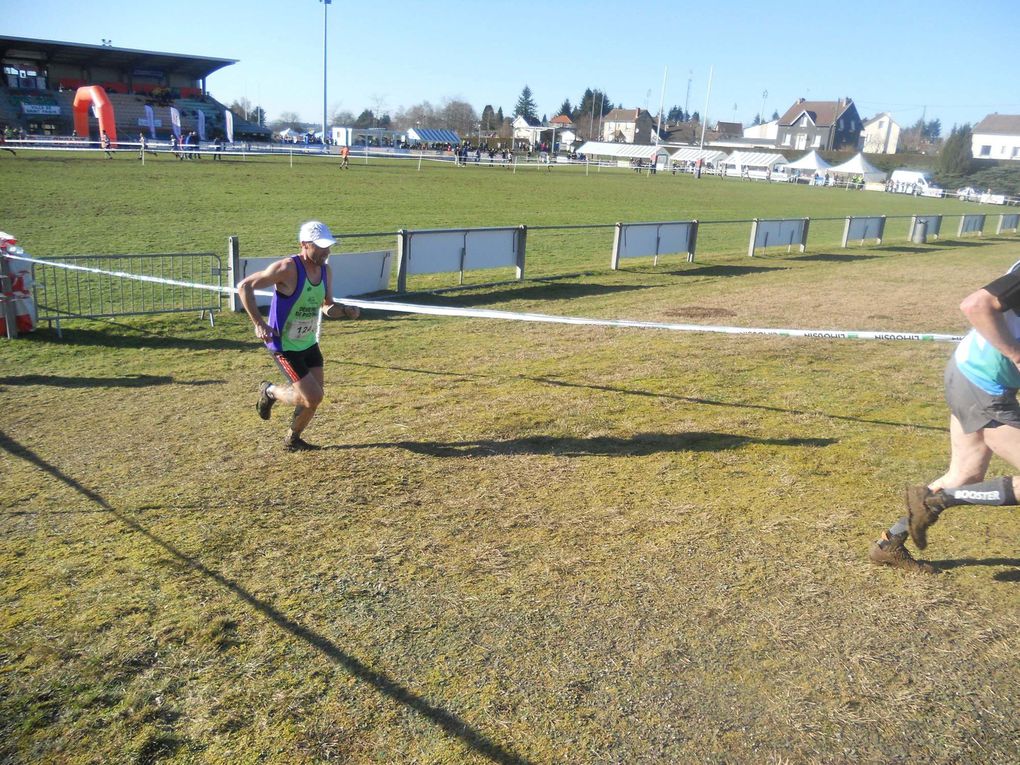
(41, 78)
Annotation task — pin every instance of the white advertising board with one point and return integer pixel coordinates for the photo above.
(435, 252)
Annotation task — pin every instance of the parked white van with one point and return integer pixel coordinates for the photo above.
(913, 182)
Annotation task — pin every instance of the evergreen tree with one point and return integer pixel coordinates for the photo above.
(583, 107)
(566, 108)
(955, 160)
(775, 116)
(590, 99)
(488, 118)
(526, 106)
(365, 120)
(499, 118)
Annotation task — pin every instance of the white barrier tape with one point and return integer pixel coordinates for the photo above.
(136, 277)
(488, 313)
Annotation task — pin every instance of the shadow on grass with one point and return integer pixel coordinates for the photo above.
(639, 445)
(670, 396)
(546, 291)
(1002, 576)
(724, 271)
(449, 722)
(835, 257)
(133, 337)
(960, 243)
(128, 381)
(905, 248)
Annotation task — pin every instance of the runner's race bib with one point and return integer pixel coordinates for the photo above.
(299, 328)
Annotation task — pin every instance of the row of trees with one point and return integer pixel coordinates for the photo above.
(452, 115)
(457, 115)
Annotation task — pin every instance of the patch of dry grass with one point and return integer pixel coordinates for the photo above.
(521, 543)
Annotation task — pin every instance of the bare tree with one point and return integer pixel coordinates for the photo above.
(242, 107)
(341, 117)
(379, 108)
(419, 115)
(287, 120)
(460, 117)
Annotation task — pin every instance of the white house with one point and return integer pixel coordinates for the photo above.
(629, 126)
(997, 136)
(526, 131)
(880, 135)
(766, 132)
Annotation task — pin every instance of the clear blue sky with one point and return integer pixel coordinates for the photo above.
(948, 60)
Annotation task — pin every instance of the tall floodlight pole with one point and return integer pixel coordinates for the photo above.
(662, 98)
(761, 114)
(325, 6)
(704, 117)
(602, 106)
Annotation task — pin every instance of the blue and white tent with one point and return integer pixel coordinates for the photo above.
(429, 135)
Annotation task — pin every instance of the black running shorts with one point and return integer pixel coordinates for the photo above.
(295, 364)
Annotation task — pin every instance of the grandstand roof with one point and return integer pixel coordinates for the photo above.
(78, 54)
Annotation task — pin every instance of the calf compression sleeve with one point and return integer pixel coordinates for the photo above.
(997, 491)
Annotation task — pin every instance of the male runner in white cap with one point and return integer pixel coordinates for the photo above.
(291, 333)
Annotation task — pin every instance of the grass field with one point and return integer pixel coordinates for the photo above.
(521, 543)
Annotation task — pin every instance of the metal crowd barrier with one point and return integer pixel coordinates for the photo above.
(81, 293)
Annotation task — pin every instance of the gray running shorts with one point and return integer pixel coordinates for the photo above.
(975, 408)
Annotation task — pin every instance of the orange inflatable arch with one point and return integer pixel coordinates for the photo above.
(86, 97)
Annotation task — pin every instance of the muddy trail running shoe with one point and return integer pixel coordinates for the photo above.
(297, 444)
(265, 403)
(890, 551)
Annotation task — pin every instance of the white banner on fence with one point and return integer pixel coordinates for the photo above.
(435, 252)
(228, 121)
(635, 240)
(175, 120)
(778, 233)
(150, 120)
(201, 125)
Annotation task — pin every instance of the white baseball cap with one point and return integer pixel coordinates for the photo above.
(317, 233)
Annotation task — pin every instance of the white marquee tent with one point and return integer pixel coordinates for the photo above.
(690, 154)
(624, 151)
(858, 165)
(755, 160)
(810, 161)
